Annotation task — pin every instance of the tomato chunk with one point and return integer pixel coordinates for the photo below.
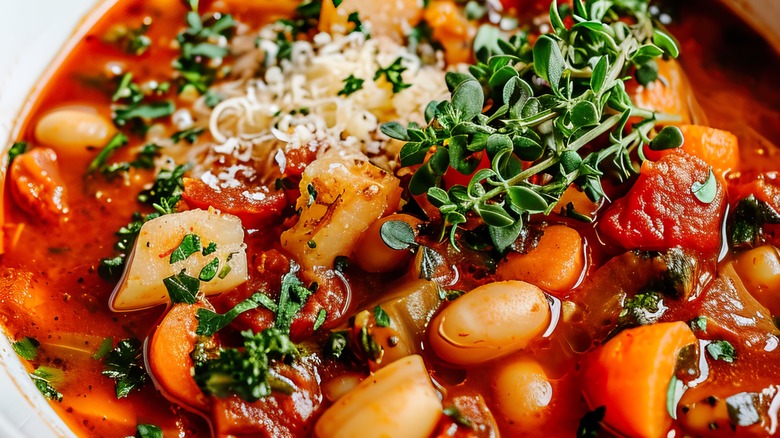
(255, 206)
(37, 186)
(661, 211)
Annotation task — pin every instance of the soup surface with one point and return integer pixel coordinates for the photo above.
(364, 218)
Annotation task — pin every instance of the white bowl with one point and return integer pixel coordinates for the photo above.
(32, 34)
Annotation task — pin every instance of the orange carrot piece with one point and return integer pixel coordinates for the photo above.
(169, 356)
(719, 149)
(37, 186)
(668, 94)
(630, 375)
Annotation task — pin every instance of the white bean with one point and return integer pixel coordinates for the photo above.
(522, 391)
(71, 130)
(398, 401)
(491, 321)
(759, 270)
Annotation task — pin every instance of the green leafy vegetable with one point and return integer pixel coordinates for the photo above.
(189, 245)
(211, 248)
(392, 74)
(148, 431)
(398, 235)
(182, 288)
(124, 364)
(189, 135)
(337, 344)
(292, 297)
(247, 372)
(351, 84)
(590, 423)
(699, 323)
(26, 348)
(16, 149)
(44, 378)
(642, 309)
(195, 62)
(208, 272)
(722, 350)
(381, 317)
(750, 216)
(105, 347)
(210, 322)
(321, 316)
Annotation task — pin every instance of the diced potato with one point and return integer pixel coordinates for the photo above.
(340, 198)
(397, 401)
(142, 284)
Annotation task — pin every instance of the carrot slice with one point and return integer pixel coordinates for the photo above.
(169, 356)
(719, 149)
(630, 375)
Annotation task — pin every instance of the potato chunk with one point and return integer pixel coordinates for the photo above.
(142, 284)
(340, 198)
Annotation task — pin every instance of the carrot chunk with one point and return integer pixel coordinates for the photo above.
(719, 149)
(630, 375)
(37, 186)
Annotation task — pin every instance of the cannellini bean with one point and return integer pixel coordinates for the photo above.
(759, 270)
(398, 401)
(72, 130)
(373, 255)
(522, 391)
(491, 321)
(142, 284)
(555, 264)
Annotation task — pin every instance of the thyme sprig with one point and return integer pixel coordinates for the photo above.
(537, 111)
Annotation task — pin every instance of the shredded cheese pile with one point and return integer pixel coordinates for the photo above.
(294, 103)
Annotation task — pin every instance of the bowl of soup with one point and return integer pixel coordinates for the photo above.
(347, 218)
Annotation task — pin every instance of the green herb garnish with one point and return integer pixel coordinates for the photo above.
(124, 364)
(392, 74)
(351, 85)
(26, 348)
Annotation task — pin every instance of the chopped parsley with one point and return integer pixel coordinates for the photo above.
(351, 85)
(189, 135)
(392, 74)
(131, 41)
(381, 317)
(209, 271)
(182, 288)
(246, 372)
(750, 216)
(100, 162)
(189, 245)
(16, 149)
(44, 378)
(124, 364)
(210, 322)
(148, 431)
(642, 309)
(26, 348)
(320, 320)
(722, 350)
(105, 347)
(354, 19)
(211, 248)
(198, 51)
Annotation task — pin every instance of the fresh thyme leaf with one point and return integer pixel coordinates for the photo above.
(398, 235)
(706, 191)
(246, 372)
(189, 245)
(26, 348)
(44, 379)
(392, 74)
(381, 317)
(124, 364)
(148, 430)
(210, 322)
(722, 350)
(209, 271)
(351, 85)
(16, 149)
(670, 137)
(182, 288)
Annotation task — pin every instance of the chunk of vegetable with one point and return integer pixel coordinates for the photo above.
(340, 198)
(74, 130)
(491, 321)
(389, 19)
(676, 201)
(669, 94)
(397, 401)
(522, 392)
(452, 29)
(759, 270)
(630, 375)
(37, 186)
(373, 255)
(168, 356)
(141, 285)
(255, 206)
(719, 149)
(559, 243)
